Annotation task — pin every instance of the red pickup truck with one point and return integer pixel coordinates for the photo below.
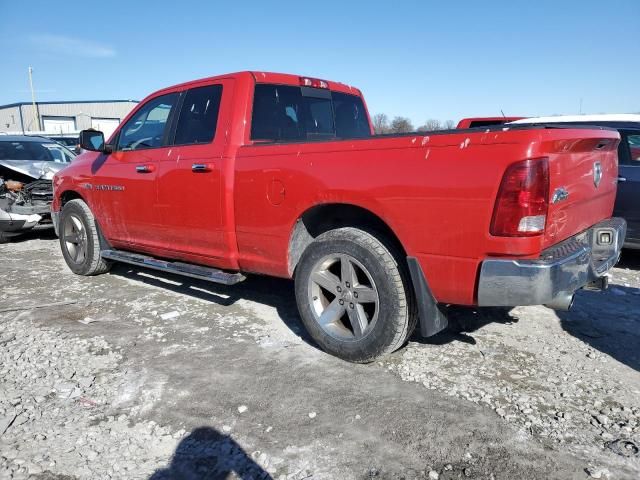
(281, 175)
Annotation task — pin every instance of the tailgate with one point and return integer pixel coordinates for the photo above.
(583, 175)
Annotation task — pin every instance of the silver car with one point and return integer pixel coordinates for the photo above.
(27, 165)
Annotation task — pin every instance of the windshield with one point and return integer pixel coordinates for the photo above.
(34, 151)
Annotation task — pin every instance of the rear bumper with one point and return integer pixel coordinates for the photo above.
(561, 270)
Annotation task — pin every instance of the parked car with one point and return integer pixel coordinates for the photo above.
(474, 122)
(281, 175)
(27, 165)
(628, 199)
(72, 142)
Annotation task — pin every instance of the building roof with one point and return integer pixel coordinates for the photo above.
(18, 104)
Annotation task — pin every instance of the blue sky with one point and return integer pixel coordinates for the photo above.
(442, 60)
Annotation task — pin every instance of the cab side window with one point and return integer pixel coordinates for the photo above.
(283, 113)
(199, 115)
(146, 129)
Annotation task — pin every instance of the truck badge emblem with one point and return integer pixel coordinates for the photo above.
(597, 173)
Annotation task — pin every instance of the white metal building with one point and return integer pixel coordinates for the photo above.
(64, 117)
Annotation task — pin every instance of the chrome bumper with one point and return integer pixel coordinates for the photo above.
(560, 271)
(55, 219)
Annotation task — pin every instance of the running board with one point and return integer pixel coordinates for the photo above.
(186, 269)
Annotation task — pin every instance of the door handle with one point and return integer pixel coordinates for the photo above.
(622, 179)
(145, 168)
(201, 167)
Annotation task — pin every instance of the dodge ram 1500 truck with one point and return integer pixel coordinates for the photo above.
(281, 175)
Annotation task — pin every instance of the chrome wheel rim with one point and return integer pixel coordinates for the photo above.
(343, 297)
(75, 238)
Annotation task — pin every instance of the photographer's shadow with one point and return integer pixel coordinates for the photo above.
(208, 454)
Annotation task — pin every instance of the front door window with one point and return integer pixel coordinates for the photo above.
(147, 128)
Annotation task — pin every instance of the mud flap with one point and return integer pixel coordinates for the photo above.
(432, 320)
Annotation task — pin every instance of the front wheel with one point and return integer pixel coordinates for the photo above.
(353, 296)
(79, 240)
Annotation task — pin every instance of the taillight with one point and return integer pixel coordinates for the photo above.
(313, 82)
(522, 203)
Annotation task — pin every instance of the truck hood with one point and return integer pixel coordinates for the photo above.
(33, 168)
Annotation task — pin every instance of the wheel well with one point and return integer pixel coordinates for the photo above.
(322, 218)
(69, 195)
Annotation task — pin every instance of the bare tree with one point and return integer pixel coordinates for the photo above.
(401, 125)
(430, 125)
(449, 125)
(381, 123)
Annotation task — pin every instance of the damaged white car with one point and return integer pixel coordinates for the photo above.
(27, 165)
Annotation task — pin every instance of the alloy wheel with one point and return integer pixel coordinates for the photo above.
(343, 297)
(75, 238)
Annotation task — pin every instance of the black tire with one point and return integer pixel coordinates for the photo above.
(396, 314)
(90, 263)
(6, 237)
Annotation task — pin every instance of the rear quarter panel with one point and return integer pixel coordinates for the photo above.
(434, 191)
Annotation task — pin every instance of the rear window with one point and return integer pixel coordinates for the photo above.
(486, 123)
(287, 113)
(351, 117)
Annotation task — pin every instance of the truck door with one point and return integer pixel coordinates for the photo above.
(124, 182)
(191, 180)
(628, 198)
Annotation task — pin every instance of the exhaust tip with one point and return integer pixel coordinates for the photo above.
(562, 302)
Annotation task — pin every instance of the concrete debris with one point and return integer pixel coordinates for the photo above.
(87, 320)
(170, 315)
(595, 472)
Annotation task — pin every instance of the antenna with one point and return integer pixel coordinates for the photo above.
(503, 115)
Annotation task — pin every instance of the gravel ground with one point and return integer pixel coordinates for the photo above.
(569, 379)
(138, 375)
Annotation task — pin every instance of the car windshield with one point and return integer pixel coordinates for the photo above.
(34, 151)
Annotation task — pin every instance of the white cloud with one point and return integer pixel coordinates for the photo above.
(75, 47)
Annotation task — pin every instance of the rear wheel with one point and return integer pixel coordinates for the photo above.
(79, 240)
(353, 296)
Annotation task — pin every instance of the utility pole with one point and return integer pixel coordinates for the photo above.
(36, 117)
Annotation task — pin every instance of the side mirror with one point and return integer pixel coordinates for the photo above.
(93, 140)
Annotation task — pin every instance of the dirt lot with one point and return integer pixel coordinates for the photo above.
(139, 375)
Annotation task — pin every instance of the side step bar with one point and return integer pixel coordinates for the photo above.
(186, 269)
